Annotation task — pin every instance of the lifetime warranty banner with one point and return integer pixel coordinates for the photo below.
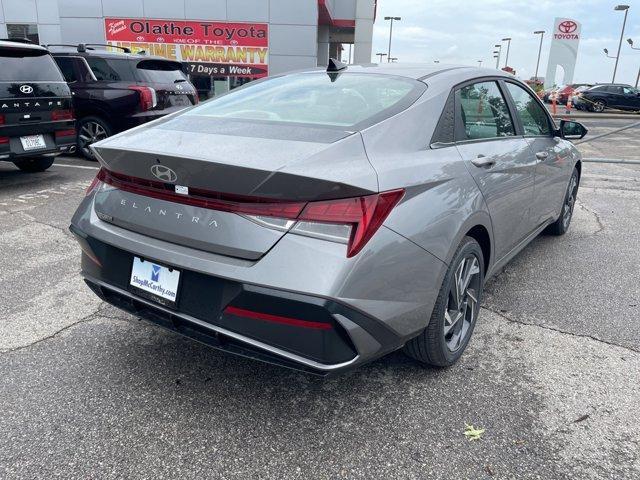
(217, 49)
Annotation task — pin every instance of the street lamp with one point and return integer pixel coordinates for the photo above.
(541, 33)
(496, 55)
(508, 40)
(499, 47)
(381, 55)
(635, 48)
(390, 33)
(606, 52)
(480, 63)
(625, 9)
(393, 59)
(436, 61)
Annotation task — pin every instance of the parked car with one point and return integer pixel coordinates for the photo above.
(36, 112)
(114, 91)
(567, 91)
(319, 220)
(601, 97)
(575, 98)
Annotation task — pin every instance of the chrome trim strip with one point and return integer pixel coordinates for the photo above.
(214, 328)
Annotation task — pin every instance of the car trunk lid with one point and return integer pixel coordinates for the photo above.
(221, 163)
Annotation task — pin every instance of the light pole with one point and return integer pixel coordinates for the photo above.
(381, 55)
(436, 61)
(499, 47)
(496, 55)
(393, 59)
(390, 33)
(480, 63)
(541, 33)
(508, 40)
(635, 48)
(625, 9)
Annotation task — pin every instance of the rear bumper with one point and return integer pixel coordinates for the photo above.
(348, 337)
(54, 146)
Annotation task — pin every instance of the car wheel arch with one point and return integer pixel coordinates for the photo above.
(479, 227)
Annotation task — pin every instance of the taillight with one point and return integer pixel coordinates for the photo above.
(62, 115)
(350, 220)
(4, 140)
(1, 119)
(148, 99)
(94, 184)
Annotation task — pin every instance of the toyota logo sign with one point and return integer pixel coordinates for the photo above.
(164, 173)
(26, 88)
(567, 26)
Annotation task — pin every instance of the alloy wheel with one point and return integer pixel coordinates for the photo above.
(90, 132)
(462, 306)
(569, 203)
(599, 106)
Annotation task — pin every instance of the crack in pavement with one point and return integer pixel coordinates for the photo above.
(86, 319)
(557, 330)
(596, 215)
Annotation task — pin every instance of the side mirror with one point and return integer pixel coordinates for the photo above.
(572, 130)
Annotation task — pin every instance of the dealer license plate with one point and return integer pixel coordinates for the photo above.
(33, 142)
(155, 281)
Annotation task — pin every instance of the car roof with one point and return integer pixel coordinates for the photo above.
(22, 45)
(421, 71)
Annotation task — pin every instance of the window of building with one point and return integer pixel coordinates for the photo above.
(484, 112)
(22, 31)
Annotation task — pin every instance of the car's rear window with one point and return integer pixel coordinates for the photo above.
(159, 71)
(28, 65)
(316, 98)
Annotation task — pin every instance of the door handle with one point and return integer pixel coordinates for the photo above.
(482, 161)
(542, 156)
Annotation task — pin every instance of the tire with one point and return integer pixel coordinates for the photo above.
(90, 130)
(435, 345)
(561, 225)
(34, 165)
(598, 106)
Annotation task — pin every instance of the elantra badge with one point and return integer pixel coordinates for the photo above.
(164, 173)
(26, 88)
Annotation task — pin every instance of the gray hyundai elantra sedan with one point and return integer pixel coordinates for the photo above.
(321, 219)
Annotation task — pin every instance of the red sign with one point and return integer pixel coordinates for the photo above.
(567, 26)
(218, 49)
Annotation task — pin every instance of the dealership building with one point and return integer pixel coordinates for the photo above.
(223, 43)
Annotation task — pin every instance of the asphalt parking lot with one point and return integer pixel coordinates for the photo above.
(552, 374)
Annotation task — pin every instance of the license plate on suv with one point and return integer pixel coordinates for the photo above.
(156, 282)
(33, 142)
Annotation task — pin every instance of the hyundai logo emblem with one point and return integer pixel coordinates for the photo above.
(26, 88)
(164, 173)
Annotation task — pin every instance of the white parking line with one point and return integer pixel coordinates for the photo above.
(84, 167)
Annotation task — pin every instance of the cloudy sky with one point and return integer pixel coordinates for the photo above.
(464, 31)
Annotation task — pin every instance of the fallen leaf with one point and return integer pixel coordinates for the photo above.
(473, 433)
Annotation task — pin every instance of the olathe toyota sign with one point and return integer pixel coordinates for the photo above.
(211, 48)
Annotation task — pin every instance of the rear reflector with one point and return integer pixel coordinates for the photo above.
(66, 133)
(1, 119)
(4, 140)
(267, 317)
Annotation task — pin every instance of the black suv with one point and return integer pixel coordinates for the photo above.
(114, 91)
(619, 96)
(36, 110)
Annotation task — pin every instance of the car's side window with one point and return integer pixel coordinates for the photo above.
(533, 117)
(66, 67)
(630, 91)
(484, 112)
